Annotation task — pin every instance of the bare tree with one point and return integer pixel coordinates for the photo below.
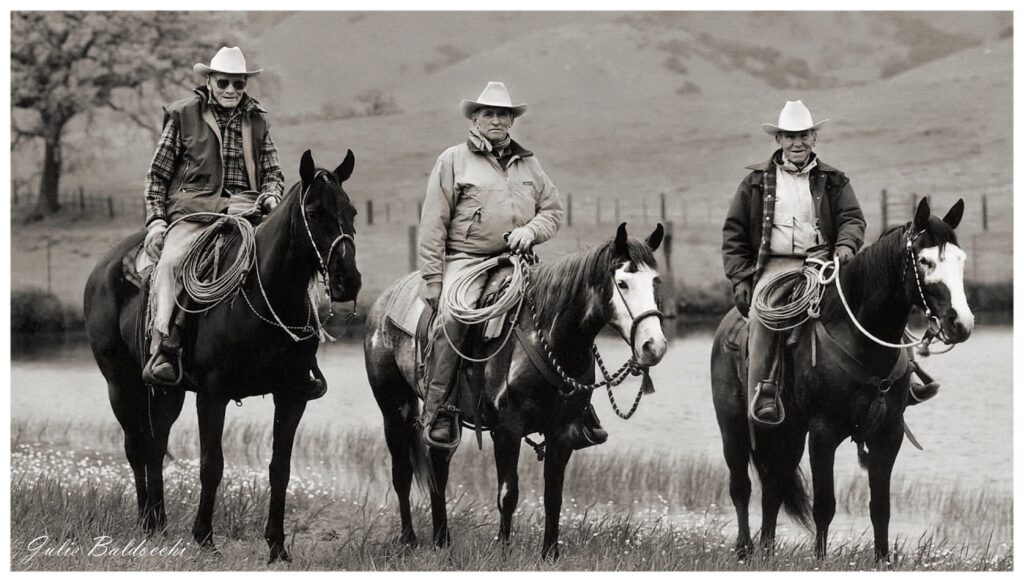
(65, 64)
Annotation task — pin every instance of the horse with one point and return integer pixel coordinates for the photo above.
(569, 300)
(235, 350)
(838, 382)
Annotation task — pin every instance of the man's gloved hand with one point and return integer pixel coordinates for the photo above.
(154, 243)
(431, 293)
(741, 293)
(520, 239)
(268, 204)
(844, 254)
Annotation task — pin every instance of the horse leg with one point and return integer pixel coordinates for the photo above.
(287, 414)
(555, 461)
(211, 465)
(822, 448)
(882, 451)
(165, 408)
(506, 461)
(736, 445)
(399, 435)
(439, 460)
(771, 501)
(146, 420)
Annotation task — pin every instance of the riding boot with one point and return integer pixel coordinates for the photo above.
(164, 366)
(765, 405)
(920, 392)
(586, 431)
(440, 415)
(315, 385)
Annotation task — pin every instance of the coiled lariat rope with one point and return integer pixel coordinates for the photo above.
(468, 314)
(807, 292)
(225, 281)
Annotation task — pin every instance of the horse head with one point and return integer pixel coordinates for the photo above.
(328, 218)
(938, 263)
(635, 301)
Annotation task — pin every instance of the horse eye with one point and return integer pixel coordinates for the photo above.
(622, 285)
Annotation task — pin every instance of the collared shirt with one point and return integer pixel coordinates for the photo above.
(170, 148)
(794, 229)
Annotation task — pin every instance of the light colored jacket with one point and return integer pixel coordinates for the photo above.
(471, 202)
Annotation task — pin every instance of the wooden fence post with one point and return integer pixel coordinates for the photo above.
(664, 208)
(568, 209)
(49, 245)
(110, 206)
(984, 212)
(369, 212)
(885, 210)
(387, 212)
(412, 247)
(81, 198)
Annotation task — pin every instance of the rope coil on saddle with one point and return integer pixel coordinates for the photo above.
(466, 313)
(224, 281)
(807, 287)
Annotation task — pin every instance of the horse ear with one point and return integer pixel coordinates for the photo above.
(654, 241)
(921, 216)
(307, 169)
(344, 169)
(952, 218)
(620, 238)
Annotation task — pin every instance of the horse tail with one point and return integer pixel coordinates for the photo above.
(419, 457)
(789, 485)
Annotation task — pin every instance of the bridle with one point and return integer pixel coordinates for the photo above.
(934, 331)
(656, 312)
(324, 266)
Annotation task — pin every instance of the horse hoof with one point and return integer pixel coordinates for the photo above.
(552, 553)
(743, 550)
(408, 540)
(281, 554)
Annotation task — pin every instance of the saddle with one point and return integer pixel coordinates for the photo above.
(413, 317)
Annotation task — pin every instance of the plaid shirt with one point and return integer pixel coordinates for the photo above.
(170, 147)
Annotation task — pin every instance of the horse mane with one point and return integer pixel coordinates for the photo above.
(565, 281)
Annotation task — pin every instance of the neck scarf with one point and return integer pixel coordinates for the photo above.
(791, 168)
(483, 144)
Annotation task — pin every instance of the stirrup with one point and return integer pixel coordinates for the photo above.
(778, 406)
(172, 355)
(456, 427)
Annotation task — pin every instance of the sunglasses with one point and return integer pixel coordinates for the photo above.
(238, 84)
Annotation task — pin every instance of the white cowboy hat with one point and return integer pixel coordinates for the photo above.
(228, 60)
(794, 117)
(494, 95)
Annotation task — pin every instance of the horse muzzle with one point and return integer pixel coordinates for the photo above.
(648, 339)
(345, 288)
(956, 329)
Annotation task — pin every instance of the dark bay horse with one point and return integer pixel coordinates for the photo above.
(231, 351)
(856, 387)
(573, 298)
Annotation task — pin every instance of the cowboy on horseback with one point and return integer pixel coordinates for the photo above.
(786, 209)
(215, 154)
(478, 192)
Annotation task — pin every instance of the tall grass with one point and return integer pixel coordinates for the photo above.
(635, 512)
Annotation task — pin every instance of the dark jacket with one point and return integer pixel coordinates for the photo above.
(745, 240)
(199, 178)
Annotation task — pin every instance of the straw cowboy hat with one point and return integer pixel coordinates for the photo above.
(794, 117)
(494, 95)
(228, 60)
